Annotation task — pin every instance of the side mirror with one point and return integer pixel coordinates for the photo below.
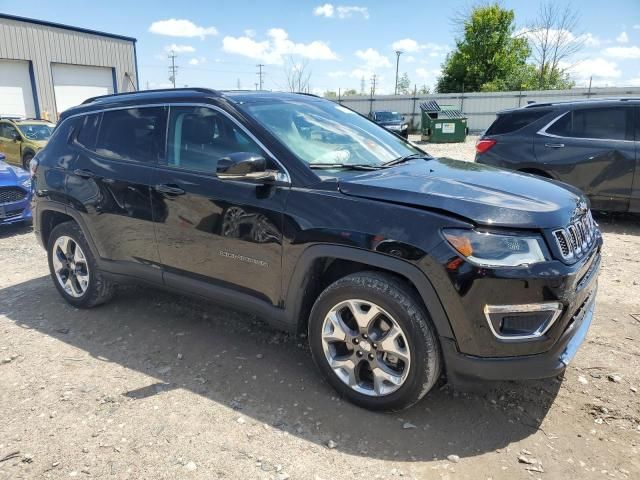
(246, 166)
(2, 157)
(15, 136)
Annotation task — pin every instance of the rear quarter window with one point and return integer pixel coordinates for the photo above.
(88, 131)
(514, 121)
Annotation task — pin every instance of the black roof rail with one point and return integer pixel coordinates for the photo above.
(159, 90)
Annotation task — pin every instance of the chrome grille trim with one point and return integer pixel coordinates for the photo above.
(576, 239)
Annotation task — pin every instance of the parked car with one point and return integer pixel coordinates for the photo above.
(15, 194)
(593, 145)
(398, 266)
(391, 121)
(21, 139)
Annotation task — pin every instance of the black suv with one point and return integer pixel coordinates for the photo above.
(392, 121)
(593, 145)
(398, 266)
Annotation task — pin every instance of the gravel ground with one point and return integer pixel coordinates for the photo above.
(157, 386)
(459, 151)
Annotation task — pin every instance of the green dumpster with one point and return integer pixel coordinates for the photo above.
(442, 123)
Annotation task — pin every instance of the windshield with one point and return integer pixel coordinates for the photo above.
(36, 131)
(323, 132)
(388, 117)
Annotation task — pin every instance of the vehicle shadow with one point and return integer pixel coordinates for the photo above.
(236, 360)
(7, 231)
(618, 223)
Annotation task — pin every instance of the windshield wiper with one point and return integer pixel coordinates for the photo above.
(406, 158)
(343, 166)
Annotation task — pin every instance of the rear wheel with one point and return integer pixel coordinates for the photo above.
(374, 341)
(73, 268)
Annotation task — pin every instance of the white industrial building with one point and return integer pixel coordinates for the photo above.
(46, 67)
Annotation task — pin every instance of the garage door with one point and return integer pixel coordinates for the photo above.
(16, 96)
(73, 84)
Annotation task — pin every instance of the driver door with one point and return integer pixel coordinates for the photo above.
(222, 232)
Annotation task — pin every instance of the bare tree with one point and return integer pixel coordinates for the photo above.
(553, 40)
(298, 75)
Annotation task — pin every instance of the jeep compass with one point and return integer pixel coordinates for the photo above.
(401, 268)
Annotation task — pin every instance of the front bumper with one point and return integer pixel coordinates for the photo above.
(15, 212)
(463, 368)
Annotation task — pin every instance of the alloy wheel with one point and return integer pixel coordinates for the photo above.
(366, 347)
(70, 266)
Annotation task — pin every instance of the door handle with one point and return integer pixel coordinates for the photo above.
(554, 145)
(169, 189)
(83, 173)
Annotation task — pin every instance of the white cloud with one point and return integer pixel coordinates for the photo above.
(373, 59)
(636, 27)
(406, 45)
(410, 59)
(428, 75)
(197, 61)
(181, 28)
(249, 32)
(589, 40)
(409, 45)
(179, 48)
(347, 12)
(598, 68)
(629, 53)
(634, 82)
(622, 38)
(325, 10)
(337, 74)
(276, 46)
(341, 11)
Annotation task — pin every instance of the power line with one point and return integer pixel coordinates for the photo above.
(173, 69)
(260, 65)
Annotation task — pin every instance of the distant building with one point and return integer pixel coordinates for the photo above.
(46, 67)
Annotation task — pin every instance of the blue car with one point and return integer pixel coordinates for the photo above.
(15, 194)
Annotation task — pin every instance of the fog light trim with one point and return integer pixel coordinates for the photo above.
(555, 308)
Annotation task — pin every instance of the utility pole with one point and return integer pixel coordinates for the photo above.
(374, 78)
(238, 85)
(173, 69)
(256, 84)
(260, 65)
(398, 53)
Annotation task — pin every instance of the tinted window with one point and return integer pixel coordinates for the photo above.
(512, 121)
(7, 131)
(604, 123)
(200, 136)
(135, 134)
(88, 131)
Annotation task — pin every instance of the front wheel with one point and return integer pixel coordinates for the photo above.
(374, 342)
(26, 160)
(73, 268)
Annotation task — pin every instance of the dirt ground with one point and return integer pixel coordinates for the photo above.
(155, 385)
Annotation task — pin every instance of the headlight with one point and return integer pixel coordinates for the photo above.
(496, 250)
(26, 183)
(405, 126)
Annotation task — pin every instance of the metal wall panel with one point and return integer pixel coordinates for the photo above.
(44, 45)
(480, 108)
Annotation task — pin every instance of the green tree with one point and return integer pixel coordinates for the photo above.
(330, 94)
(487, 54)
(404, 84)
(424, 90)
(350, 92)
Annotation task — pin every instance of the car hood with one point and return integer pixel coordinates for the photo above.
(10, 176)
(482, 194)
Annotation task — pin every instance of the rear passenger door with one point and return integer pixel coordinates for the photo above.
(222, 233)
(592, 149)
(110, 183)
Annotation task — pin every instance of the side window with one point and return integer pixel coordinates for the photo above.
(7, 131)
(88, 131)
(134, 134)
(600, 123)
(200, 136)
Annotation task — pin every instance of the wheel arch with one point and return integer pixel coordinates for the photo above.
(52, 214)
(321, 265)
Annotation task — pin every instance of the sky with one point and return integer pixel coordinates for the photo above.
(220, 43)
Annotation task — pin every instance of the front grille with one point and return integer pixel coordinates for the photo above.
(576, 239)
(11, 195)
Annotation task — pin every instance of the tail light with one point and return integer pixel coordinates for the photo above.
(483, 145)
(33, 166)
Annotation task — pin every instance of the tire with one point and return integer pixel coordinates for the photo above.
(397, 307)
(26, 159)
(97, 289)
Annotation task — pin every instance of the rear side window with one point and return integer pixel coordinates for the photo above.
(134, 134)
(88, 131)
(601, 123)
(513, 121)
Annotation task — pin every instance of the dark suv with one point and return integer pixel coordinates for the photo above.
(398, 266)
(593, 145)
(392, 121)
